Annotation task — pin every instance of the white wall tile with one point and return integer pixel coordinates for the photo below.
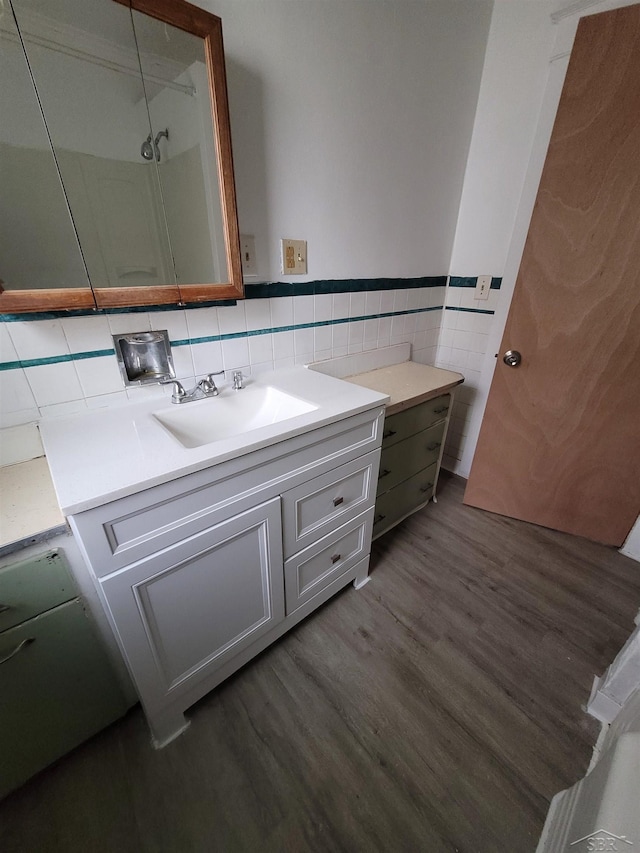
(203, 322)
(386, 301)
(260, 349)
(340, 335)
(400, 300)
(175, 322)
(341, 305)
(15, 392)
(357, 304)
(207, 357)
(54, 383)
(105, 400)
(258, 314)
(283, 345)
(232, 318)
(322, 338)
(24, 416)
(281, 311)
(99, 375)
(235, 354)
(323, 306)
(121, 324)
(303, 309)
(87, 334)
(183, 361)
(303, 341)
(372, 301)
(7, 349)
(38, 338)
(282, 363)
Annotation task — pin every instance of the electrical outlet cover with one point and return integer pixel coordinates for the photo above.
(294, 257)
(483, 286)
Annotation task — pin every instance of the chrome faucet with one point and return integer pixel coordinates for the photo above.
(238, 380)
(205, 388)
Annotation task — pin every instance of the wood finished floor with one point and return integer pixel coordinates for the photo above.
(437, 709)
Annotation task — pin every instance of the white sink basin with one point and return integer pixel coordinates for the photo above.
(231, 413)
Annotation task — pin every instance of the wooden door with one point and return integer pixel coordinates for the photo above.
(560, 439)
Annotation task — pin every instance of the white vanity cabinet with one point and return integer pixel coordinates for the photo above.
(200, 574)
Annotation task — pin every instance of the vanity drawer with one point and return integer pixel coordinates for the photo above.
(404, 499)
(411, 421)
(401, 460)
(32, 586)
(312, 509)
(311, 570)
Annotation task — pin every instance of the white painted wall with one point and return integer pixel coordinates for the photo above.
(351, 122)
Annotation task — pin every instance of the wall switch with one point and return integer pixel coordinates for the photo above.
(248, 253)
(483, 285)
(294, 257)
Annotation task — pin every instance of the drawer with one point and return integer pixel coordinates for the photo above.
(132, 528)
(401, 501)
(32, 586)
(315, 508)
(313, 569)
(58, 689)
(403, 424)
(402, 460)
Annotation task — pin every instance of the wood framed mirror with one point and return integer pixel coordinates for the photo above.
(133, 108)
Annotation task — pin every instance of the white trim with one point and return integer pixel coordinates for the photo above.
(574, 9)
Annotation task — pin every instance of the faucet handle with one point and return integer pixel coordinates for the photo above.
(208, 385)
(178, 390)
(238, 380)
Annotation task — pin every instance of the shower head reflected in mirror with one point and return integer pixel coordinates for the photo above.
(150, 148)
(146, 149)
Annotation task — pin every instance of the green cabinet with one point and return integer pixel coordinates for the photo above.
(57, 686)
(412, 446)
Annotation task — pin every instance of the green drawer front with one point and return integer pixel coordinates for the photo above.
(403, 424)
(33, 586)
(57, 689)
(404, 499)
(402, 460)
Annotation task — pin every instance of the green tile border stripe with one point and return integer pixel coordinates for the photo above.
(471, 281)
(469, 310)
(227, 336)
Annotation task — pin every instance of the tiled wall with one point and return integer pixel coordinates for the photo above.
(63, 365)
(464, 335)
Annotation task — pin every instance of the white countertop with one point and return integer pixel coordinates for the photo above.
(99, 456)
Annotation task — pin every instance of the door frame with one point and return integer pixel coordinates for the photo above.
(566, 20)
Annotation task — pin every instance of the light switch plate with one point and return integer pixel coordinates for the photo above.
(294, 257)
(248, 254)
(483, 286)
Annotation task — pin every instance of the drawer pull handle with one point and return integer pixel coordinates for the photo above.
(338, 501)
(434, 445)
(441, 410)
(426, 488)
(18, 648)
(388, 433)
(383, 473)
(4, 608)
(336, 557)
(378, 519)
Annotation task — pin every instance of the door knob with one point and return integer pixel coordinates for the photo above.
(512, 357)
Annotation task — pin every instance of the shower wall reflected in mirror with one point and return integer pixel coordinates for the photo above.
(127, 116)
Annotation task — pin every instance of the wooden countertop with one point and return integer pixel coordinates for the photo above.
(407, 383)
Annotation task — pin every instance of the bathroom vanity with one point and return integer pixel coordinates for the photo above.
(202, 554)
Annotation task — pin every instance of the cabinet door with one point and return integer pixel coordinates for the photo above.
(57, 688)
(184, 612)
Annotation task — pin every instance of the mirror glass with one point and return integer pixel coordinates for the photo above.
(38, 244)
(127, 105)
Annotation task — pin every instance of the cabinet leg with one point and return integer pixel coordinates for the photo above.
(362, 575)
(166, 726)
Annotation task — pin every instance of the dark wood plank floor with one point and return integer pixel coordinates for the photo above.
(437, 709)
